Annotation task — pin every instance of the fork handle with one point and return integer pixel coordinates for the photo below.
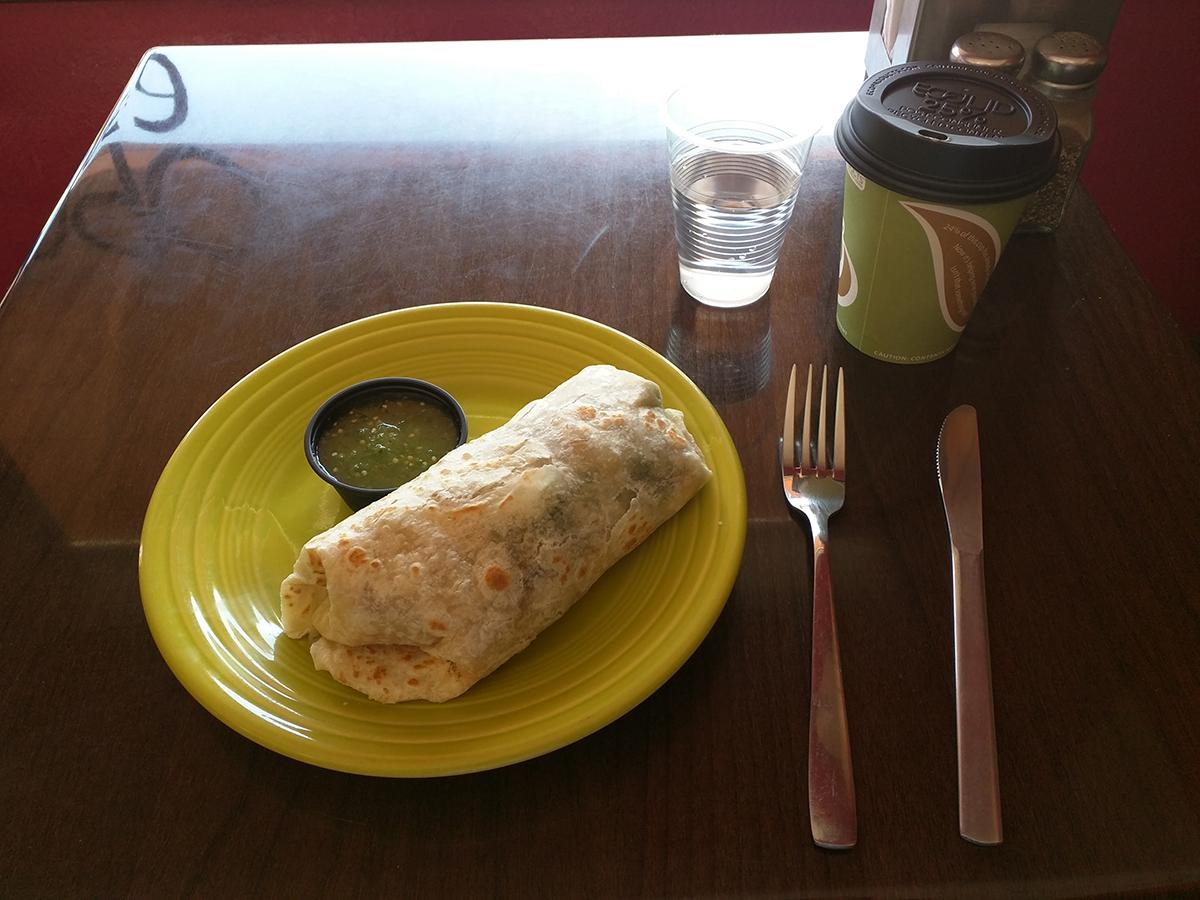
(831, 809)
(978, 775)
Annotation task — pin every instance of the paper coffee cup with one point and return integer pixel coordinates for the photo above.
(941, 160)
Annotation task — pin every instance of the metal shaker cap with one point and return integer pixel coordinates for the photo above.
(989, 50)
(1068, 58)
(947, 132)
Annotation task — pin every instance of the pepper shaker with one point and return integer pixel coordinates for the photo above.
(1064, 66)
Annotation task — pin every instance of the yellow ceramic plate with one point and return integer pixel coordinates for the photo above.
(237, 501)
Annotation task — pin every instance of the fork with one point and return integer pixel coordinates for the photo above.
(818, 492)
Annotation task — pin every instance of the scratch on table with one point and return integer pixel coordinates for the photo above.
(588, 249)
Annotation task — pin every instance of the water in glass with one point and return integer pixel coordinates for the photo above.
(731, 213)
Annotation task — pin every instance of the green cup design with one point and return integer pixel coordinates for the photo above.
(913, 270)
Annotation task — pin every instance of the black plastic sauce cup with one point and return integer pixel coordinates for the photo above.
(365, 391)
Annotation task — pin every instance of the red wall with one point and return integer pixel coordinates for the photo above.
(63, 64)
(1142, 166)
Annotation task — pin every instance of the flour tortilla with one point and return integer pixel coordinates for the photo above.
(423, 593)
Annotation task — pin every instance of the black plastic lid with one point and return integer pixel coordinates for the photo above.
(950, 133)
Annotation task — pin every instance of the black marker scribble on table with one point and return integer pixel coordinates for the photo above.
(155, 232)
(178, 96)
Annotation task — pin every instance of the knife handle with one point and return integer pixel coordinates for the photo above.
(978, 775)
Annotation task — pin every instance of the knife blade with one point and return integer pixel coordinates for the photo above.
(962, 495)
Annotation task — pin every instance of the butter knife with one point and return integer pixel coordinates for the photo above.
(978, 776)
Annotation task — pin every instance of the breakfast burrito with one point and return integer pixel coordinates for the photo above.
(423, 593)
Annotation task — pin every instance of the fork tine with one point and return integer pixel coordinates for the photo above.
(839, 430)
(789, 425)
(821, 467)
(806, 438)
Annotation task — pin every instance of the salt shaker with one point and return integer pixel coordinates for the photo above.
(989, 50)
(1064, 67)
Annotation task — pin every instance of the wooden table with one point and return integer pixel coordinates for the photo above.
(299, 188)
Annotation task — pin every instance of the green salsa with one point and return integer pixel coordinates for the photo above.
(386, 440)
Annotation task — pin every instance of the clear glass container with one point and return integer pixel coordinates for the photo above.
(1064, 67)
